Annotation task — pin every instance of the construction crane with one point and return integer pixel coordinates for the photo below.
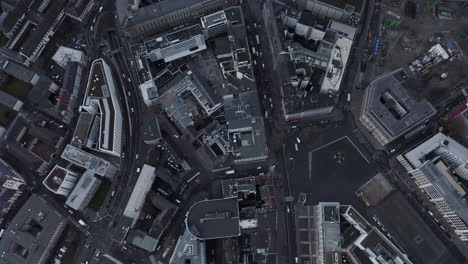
(460, 10)
(394, 24)
(433, 4)
(465, 35)
(462, 109)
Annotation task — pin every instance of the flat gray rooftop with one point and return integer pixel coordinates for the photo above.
(357, 4)
(411, 232)
(393, 108)
(32, 233)
(211, 219)
(158, 8)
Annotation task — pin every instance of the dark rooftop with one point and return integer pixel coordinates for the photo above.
(151, 129)
(357, 4)
(158, 8)
(393, 108)
(411, 232)
(211, 219)
(49, 18)
(32, 234)
(309, 19)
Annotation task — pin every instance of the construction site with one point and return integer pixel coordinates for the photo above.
(427, 38)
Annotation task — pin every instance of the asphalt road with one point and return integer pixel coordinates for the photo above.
(108, 231)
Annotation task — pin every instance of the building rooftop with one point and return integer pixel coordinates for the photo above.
(47, 21)
(411, 232)
(82, 129)
(438, 143)
(157, 8)
(172, 38)
(10, 101)
(84, 190)
(142, 240)
(101, 99)
(212, 219)
(85, 160)
(351, 5)
(371, 241)
(392, 109)
(189, 248)
(173, 98)
(245, 127)
(141, 189)
(309, 19)
(151, 129)
(176, 45)
(64, 55)
(234, 187)
(19, 71)
(32, 234)
(213, 19)
(56, 178)
(7, 171)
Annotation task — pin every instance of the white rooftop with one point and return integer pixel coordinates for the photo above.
(141, 189)
(64, 55)
(85, 160)
(416, 156)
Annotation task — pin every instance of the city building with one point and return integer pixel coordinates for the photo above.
(140, 191)
(214, 219)
(166, 211)
(377, 247)
(245, 127)
(8, 172)
(8, 5)
(139, 20)
(389, 111)
(213, 20)
(84, 127)
(340, 10)
(323, 239)
(176, 45)
(68, 94)
(185, 96)
(151, 130)
(33, 234)
(142, 240)
(80, 9)
(412, 230)
(31, 25)
(18, 71)
(31, 143)
(88, 161)
(317, 66)
(60, 180)
(84, 191)
(65, 55)
(10, 101)
(435, 166)
(101, 99)
(188, 249)
(10, 200)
